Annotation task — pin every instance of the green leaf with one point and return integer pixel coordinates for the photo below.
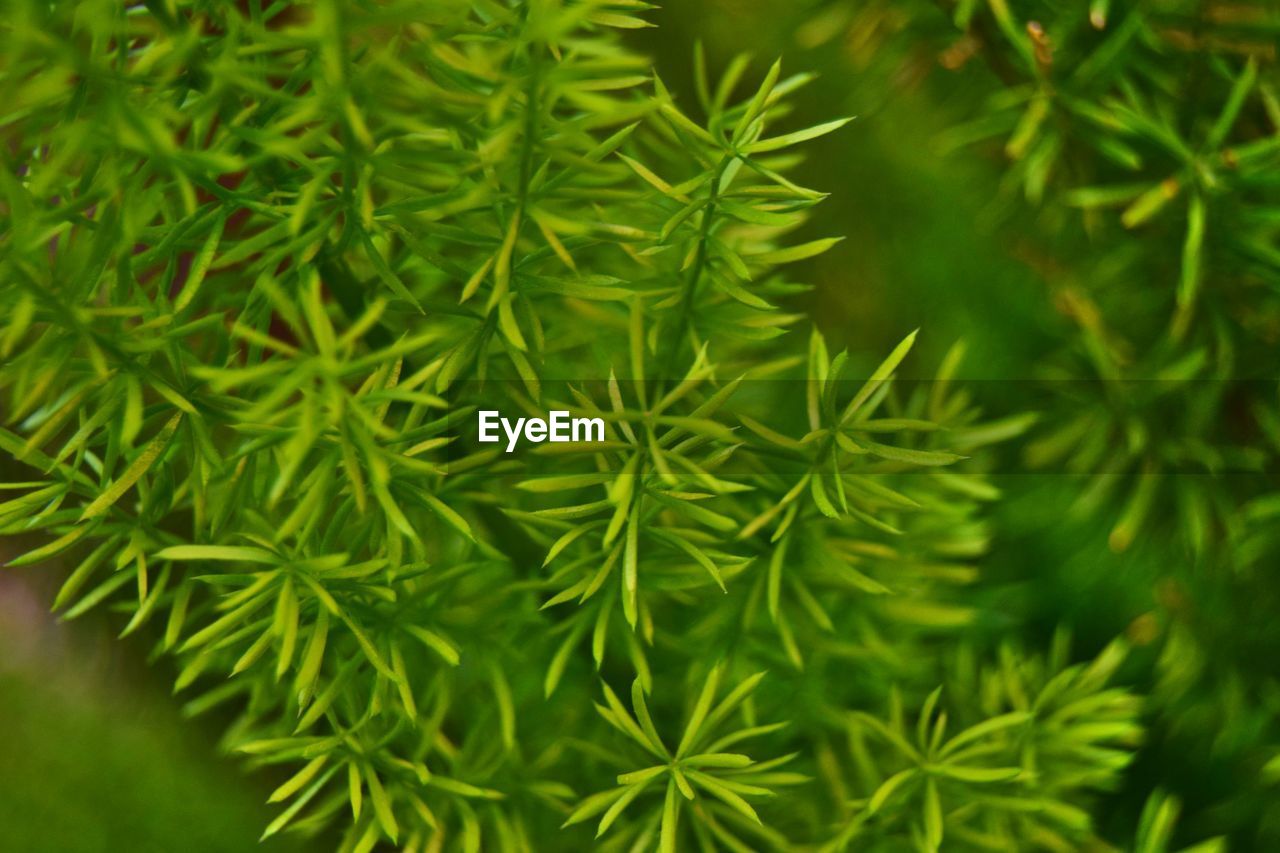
(795, 253)
(700, 710)
(450, 516)
(756, 106)
(385, 272)
(200, 265)
(1189, 282)
(879, 376)
(1234, 102)
(915, 457)
(297, 805)
(298, 780)
(888, 787)
(980, 775)
(724, 794)
(630, 567)
(139, 466)
(381, 804)
(225, 553)
(593, 805)
(312, 657)
(670, 818)
(789, 139)
(933, 820)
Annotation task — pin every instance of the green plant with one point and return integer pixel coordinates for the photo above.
(260, 266)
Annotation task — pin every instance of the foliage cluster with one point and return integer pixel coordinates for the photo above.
(257, 262)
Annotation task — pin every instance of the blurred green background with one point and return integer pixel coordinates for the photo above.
(95, 755)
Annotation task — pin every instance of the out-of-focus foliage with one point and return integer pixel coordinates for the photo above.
(1157, 122)
(261, 264)
(1142, 138)
(1124, 154)
(93, 757)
